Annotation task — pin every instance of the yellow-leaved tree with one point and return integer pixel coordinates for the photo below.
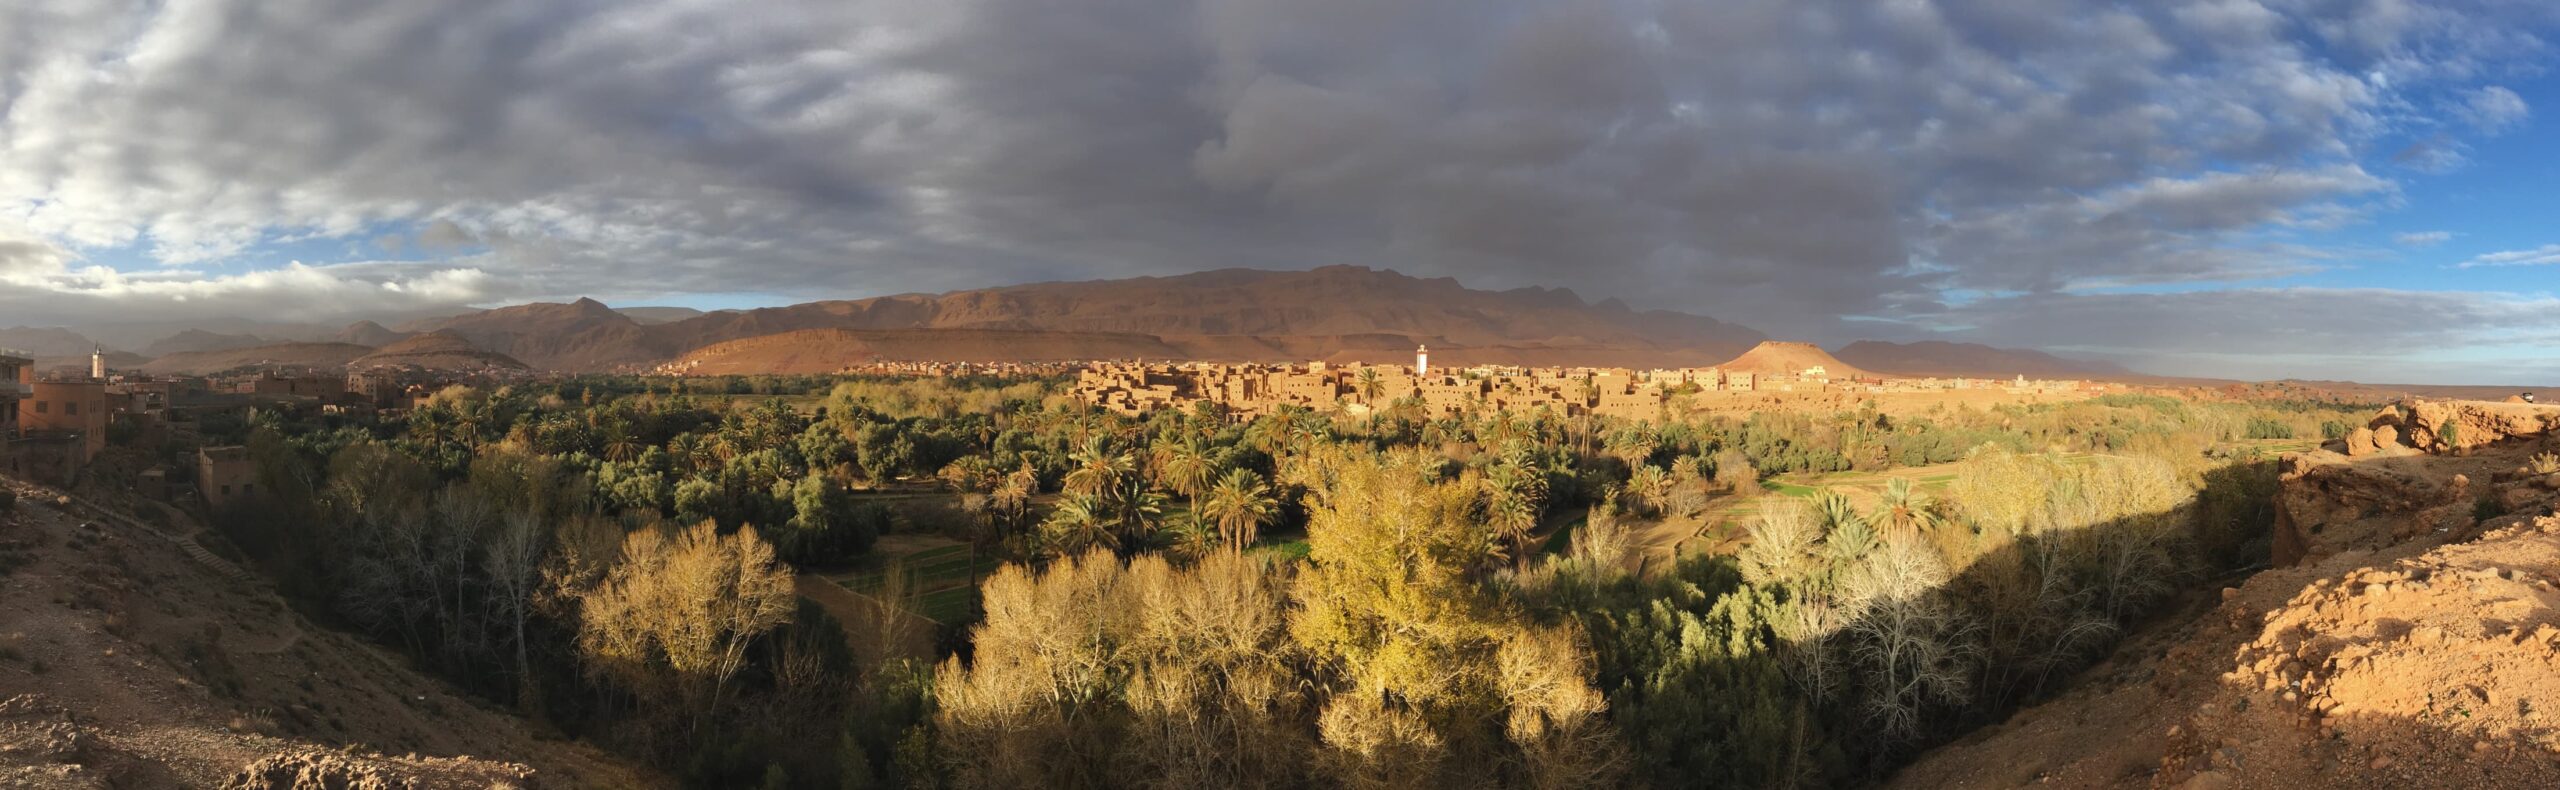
(1096, 673)
(679, 610)
(1434, 680)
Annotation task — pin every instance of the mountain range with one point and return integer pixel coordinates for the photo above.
(1334, 313)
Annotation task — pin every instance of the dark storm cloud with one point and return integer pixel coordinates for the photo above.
(1776, 162)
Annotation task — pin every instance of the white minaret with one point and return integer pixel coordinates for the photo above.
(1421, 362)
(98, 363)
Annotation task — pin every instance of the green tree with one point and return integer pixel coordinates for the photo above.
(1239, 506)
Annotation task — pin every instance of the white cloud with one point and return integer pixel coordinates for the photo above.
(2422, 238)
(2494, 109)
(2544, 255)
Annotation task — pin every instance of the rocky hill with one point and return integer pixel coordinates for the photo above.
(583, 336)
(200, 340)
(436, 351)
(832, 350)
(658, 315)
(1234, 313)
(46, 342)
(1777, 357)
(1971, 360)
(130, 656)
(278, 356)
(2407, 635)
(368, 333)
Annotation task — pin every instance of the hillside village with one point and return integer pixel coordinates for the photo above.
(54, 424)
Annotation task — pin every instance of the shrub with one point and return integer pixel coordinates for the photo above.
(2542, 464)
(2263, 428)
(2487, 507)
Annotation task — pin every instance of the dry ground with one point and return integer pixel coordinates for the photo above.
(128, 661)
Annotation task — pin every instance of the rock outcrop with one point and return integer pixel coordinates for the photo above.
(2407, 635)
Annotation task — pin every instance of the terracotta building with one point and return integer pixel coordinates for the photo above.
(225, 475)
(74, 407)
(16, 372)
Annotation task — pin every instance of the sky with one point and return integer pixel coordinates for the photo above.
(2243, 188)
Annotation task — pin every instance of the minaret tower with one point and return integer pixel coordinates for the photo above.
(1421, 362)
(98, 363)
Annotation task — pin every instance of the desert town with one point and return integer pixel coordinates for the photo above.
(1245, 391)
(53, 424)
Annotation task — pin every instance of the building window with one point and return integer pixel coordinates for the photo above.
(44, 407)
(71, 408)
(226, 490)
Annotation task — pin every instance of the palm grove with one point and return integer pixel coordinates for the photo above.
(1303, 599)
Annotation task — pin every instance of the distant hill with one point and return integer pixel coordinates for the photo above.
(583, 336)
(436, 351)
(829, 350)
(270, 357)
(45, 342)
(367, 333)
(1971, 360)
(1778, 357)
(78, 364)
(658, 315)
(200, 340)
(1231, 313)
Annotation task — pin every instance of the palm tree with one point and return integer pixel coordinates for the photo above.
(1012, 498)
(1648, 486)
(1370, 386)
(1632, 444)
(1078, 523)
(1098, 471)
(1185, 469)
(619, 447)
(1845, 531)
(687, 450)
(1907, 509)
(1516, 495)
(1240, 504)
(1192, 537)
(468, 424)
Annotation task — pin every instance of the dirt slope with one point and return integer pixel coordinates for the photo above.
(2401, 642)
(436, 351)
(129, 659)
(281, 355)
(829, 350)
(1775, 357)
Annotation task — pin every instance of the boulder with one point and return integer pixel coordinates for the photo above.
(2517, 498)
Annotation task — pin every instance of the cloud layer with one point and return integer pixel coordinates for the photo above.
(1781, 163)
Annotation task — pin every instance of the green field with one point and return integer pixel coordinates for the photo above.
(938, 579)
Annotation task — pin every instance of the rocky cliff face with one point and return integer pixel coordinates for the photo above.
(2419, 468)
(2406, 635)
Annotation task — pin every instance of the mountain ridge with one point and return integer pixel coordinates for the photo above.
(1281, 309)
